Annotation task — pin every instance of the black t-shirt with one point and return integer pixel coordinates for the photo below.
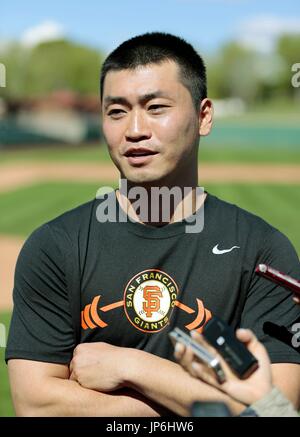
(137, 282)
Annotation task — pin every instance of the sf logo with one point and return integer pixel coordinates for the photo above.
(151, 294)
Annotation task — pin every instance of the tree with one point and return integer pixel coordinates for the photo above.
(51, 66)
(234, 73)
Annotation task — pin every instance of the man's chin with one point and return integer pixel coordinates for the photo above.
(143, 180)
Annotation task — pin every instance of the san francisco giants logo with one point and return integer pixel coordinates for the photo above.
(149, 299)
(151, 294)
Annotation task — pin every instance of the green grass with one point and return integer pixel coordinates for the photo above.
(209, 152)
(6, 408)
(24, 209)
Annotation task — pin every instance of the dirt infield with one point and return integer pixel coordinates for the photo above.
(18, 175)
(13, 176)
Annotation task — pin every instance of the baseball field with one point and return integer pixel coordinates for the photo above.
(39, 184)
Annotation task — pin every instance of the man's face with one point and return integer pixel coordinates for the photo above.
(150, 123)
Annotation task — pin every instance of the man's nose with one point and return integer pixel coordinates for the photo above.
(138, 128)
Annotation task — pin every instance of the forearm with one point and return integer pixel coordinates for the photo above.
(165, 382)
(62, 397)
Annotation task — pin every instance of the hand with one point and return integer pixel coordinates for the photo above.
(99, 366)
(247, 391)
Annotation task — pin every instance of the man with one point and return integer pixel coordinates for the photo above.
(139, 277)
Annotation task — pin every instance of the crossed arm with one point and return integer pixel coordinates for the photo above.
(44, 389)
(106, 380)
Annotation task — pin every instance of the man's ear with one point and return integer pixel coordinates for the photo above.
(206, 114)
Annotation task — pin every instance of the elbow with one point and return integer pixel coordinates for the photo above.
(25, 411)
(37, 394)
(28, 408)
(30, 403)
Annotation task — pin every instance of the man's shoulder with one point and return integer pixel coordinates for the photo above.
(258, 233)
(232, 217)
(63, 228)
(230, 210)
(73, 218)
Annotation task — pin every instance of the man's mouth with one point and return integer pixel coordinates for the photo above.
(138, 156)
(139, 152)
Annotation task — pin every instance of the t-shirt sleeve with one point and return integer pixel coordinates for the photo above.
(269, 309)
(41, 327)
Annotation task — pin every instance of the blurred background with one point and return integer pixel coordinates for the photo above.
(52, 154)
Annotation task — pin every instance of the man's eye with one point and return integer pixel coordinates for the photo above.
(115, 113)
(157, 108)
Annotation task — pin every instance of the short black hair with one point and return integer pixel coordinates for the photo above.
(155, 48)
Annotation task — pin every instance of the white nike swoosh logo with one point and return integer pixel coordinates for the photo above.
(216, 251)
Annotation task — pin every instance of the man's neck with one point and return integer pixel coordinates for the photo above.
(161, 210)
